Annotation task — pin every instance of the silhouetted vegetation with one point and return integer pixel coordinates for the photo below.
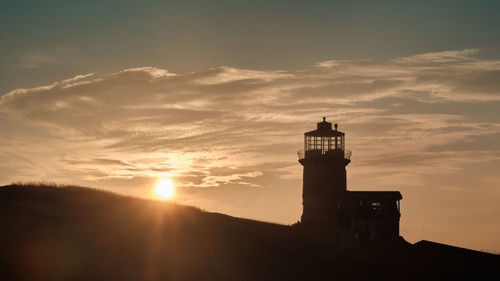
(51, 232)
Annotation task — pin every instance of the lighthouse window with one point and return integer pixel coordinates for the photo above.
(376, 206)
(324, 145)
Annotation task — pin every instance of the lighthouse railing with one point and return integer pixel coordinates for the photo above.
(316, 153)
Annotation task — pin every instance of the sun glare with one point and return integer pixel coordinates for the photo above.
(164, 189)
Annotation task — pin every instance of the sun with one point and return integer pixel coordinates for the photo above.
(164, 189)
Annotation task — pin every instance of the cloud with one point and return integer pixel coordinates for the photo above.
(149, 122)
(440, 57)
(37, 60)
(230, 179)
(49, 58)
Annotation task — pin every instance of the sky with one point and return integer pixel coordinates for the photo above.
(217, 95)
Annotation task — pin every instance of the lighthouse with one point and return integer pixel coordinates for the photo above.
(324, 176)
(326, 202)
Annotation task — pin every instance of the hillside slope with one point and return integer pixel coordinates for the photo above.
(75, 233)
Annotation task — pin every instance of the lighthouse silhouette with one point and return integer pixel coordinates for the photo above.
(324, 159)
(327, 204)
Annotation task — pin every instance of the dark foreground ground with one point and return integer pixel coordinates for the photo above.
(74, 233)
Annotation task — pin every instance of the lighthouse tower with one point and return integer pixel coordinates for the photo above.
(324, 180)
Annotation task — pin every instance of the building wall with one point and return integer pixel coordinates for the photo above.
(383, 213)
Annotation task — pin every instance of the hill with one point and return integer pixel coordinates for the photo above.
(76, 233)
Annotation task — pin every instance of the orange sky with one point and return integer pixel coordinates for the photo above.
(426, 125)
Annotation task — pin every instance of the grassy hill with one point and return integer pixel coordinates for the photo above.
(76, 233)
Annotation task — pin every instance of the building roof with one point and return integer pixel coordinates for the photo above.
(393, 195)
(324, 129)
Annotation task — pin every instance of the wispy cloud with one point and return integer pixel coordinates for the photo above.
(440, 57)
(235, 117)
(44, 58)
(37, 60)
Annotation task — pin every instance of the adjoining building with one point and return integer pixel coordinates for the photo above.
(327, 204)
